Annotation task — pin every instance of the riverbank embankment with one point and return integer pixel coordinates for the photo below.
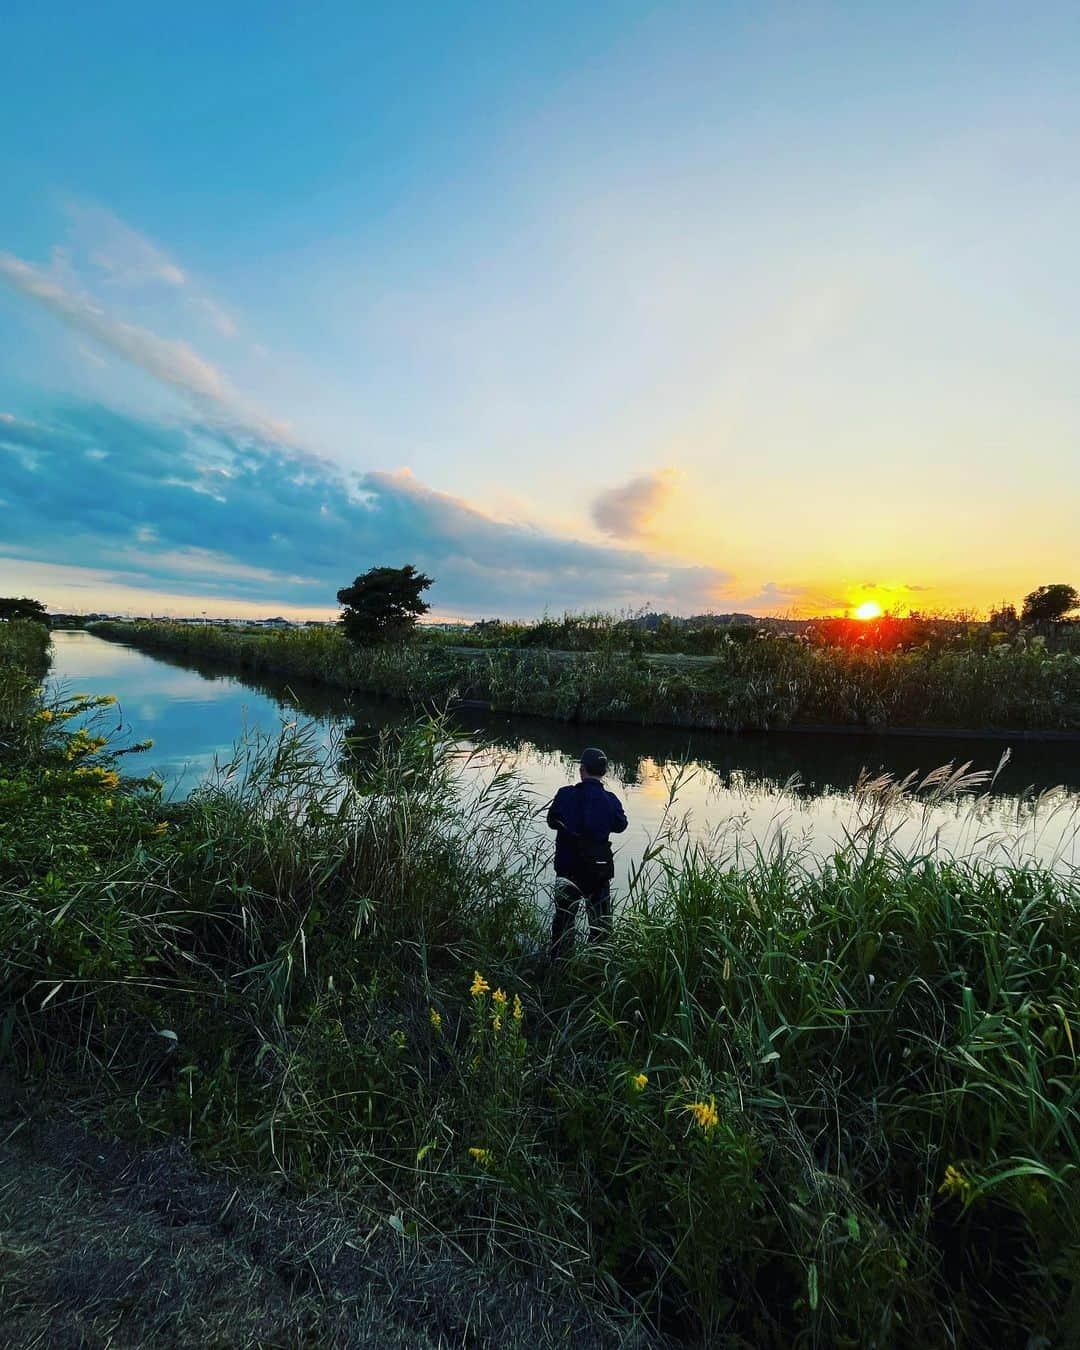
(790, 1100)
(772, 683)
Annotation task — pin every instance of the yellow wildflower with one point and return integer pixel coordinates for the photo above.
(955, 1183)
(435, 1018)
(640, 1082)
(479, 985)
(496, 1023)
(481, 1155)
(45, 715)
(519, 1011)
(704, 1114)
(500, 998)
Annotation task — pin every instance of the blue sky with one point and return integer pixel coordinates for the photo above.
(702, 306)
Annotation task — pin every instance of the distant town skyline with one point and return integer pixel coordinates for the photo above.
(691, 307)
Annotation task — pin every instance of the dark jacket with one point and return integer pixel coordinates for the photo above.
(585, 808)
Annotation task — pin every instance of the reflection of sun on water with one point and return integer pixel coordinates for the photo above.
(869, 609)
(652, 780)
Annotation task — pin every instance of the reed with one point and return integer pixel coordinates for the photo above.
(769, 682)
(789, 1102)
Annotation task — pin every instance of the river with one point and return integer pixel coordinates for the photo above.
(747, 791)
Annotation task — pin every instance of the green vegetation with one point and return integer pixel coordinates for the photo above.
(760, 681)
(383, 604)
(1050, 604)
(22, 607)
(788, 1103)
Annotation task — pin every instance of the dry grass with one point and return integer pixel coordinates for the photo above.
(102, 1245)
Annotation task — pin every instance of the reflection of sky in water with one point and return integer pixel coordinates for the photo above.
(732, 790)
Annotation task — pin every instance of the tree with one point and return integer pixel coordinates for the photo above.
(1004, 619)
(23, 608)
(383, 605)
(1050, 604)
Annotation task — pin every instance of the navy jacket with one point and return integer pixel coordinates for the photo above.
(586, 808)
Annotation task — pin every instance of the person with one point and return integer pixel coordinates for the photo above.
(584, 816)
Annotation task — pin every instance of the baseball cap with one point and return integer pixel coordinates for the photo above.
(594, 761)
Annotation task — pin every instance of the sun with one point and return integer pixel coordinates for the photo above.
(869, 609)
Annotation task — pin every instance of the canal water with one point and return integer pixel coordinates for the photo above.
(740, 792)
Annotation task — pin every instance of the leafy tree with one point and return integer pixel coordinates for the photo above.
(1004, 619)
(383, 604)
(23, 608)
(1050, 604)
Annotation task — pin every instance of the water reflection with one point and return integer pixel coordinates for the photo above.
(745, 790)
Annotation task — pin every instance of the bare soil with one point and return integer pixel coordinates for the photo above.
(106, 1245)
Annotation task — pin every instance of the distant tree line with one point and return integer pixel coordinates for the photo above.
(22, 607)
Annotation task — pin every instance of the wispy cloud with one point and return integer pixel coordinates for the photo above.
(628, 511)
(122, 253)
(127, 259)
(171, 360)
(214, 314)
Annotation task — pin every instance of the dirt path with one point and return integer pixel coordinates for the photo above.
(105, 1246)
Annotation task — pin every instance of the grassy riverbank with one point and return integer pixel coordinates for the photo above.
(770, 682)
(788, 1103)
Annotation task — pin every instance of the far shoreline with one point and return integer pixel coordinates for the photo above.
(231, 659)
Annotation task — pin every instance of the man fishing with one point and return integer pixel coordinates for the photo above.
(584, 815)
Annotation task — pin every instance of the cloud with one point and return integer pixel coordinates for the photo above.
(217, 317)
(172, 361)
(627, 512)
(772, 596)
(122, 253)
(130, 260)
(218, 512)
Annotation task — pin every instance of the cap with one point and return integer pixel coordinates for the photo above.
(594, 761)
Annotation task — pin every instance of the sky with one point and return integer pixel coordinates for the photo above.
(768, 307)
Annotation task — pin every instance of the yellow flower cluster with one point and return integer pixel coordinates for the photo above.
(82, 744)
(955, 1183)
(481, 1155)
(105, 778)
(499, 998)
(519, 1011)
(45, 715)
(435, 1018)
(639, 1082)
(479, 985)
(704, 1113)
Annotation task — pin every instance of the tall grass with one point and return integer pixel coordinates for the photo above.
(769, 682)
(789, 1102)
(24, 659)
